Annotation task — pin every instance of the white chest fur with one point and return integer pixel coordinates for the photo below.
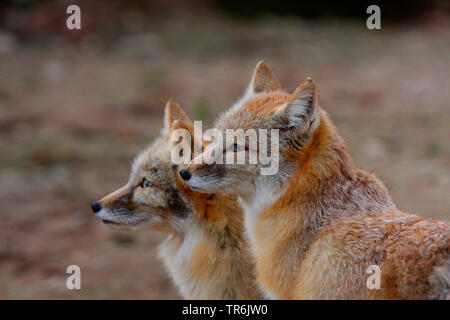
(176, 254)
(265, 195)
(208, 282)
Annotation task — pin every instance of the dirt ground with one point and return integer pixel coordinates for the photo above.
(72, 117)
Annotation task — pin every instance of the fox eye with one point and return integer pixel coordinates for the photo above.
(237, 148)
(145, 183)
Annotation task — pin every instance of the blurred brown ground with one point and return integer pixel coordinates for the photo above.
(75, 109)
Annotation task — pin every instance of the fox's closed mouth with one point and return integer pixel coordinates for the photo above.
(110, 222)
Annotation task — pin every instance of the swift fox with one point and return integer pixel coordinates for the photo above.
(205, 252)
(319, 223)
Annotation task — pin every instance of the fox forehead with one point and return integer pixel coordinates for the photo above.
(252, 112)
(152, 161)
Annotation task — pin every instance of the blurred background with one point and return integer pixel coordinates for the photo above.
(77, 105)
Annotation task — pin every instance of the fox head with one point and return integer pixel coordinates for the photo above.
(152, 196)
(290, 121)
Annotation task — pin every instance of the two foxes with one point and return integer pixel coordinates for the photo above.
(313, 228)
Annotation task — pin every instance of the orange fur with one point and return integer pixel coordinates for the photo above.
(317, 225)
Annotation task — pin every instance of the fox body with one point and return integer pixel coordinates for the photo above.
(317, 225)
(205, 252)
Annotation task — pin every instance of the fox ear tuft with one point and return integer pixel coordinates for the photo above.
(179, 124)
(174, 112)
(298, 118)
(263, 79)
(188, 134)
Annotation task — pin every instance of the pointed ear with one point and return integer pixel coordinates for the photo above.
(263, 79)
(174, 112)
(187, 134)
(298, 118)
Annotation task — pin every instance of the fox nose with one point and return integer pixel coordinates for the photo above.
(185, 174)
(96, 206)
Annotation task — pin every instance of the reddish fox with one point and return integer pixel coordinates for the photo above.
(205, 252)
(319, 224)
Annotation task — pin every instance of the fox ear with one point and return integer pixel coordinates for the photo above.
(263, 79)
(187, 134)
(174, 112)
(298, 118)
